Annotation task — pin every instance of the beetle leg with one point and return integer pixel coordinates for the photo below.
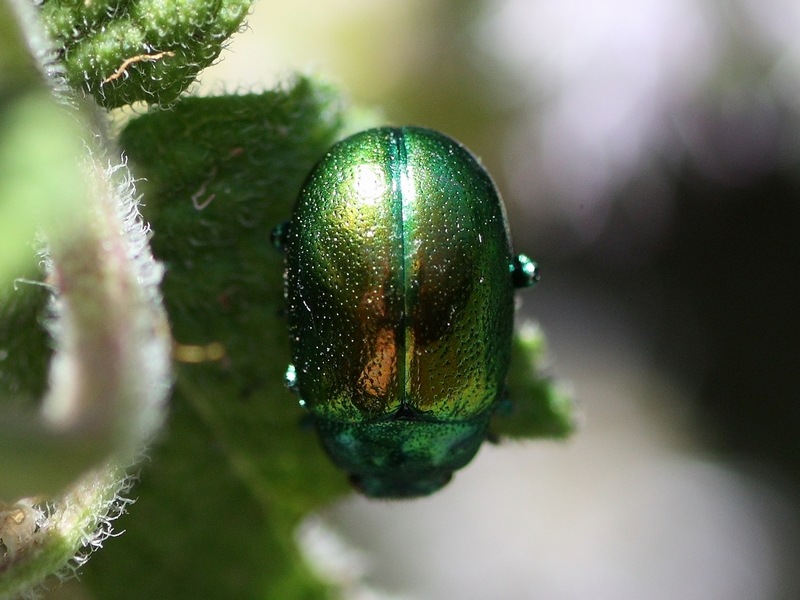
(278, 236)
(290, 379)
(524, 271)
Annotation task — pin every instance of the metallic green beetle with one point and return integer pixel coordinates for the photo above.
(400, 301)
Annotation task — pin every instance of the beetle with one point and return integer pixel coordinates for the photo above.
(399, 285)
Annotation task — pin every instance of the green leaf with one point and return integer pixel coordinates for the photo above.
(17, 67)
(224, 491)
(538, 407)
(123, 51)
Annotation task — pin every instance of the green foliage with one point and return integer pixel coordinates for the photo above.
(538, 408)
(66, 434)
(224, 490)
(235, 470)
(23, 375)
(35, 131)
(123, 51)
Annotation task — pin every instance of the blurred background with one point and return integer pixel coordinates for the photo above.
(649, 155)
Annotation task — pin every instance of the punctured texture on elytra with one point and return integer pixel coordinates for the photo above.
(400, 302)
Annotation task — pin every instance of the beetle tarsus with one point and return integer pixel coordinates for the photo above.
(278, 236)
(524, 271)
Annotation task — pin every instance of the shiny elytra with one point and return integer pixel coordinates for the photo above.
(399, 287)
